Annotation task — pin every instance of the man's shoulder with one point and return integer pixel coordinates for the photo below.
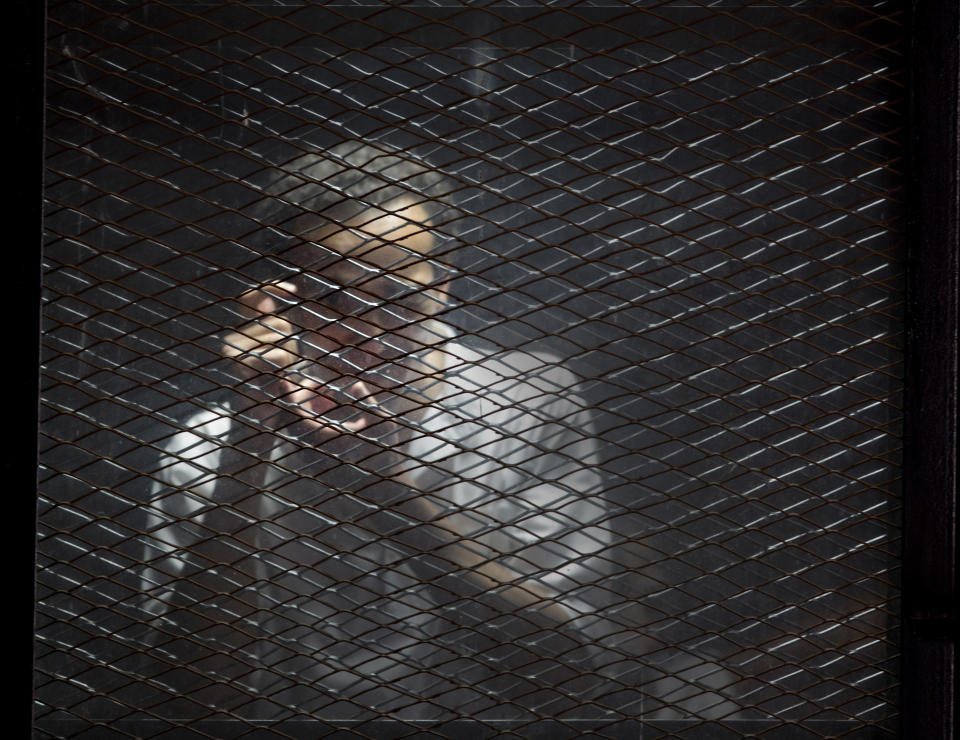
(483, 381)
(191, 455)
(200, 434)
(489, 367)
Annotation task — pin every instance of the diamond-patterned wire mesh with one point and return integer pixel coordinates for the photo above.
(471, 370)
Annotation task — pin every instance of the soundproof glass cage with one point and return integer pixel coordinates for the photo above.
(471, 369)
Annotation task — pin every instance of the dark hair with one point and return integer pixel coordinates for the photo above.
(344, 180)
(347, 182)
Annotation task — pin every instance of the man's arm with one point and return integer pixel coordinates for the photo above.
(536, 537)
(180, 496)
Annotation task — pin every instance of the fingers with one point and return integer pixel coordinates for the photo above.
(261, 349)
(260, 336)
(268, 299)
(268, 341)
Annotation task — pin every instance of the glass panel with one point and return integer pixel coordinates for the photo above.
(526, 368)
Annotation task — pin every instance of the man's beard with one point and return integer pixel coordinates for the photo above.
(367, 461)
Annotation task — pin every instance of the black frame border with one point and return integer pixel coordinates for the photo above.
(22, 126)
(929, 698)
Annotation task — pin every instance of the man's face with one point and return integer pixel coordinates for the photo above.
(349, 342)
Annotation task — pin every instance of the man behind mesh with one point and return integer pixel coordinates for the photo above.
(383, 519)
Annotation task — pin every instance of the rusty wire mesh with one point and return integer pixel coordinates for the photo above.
(670, 238)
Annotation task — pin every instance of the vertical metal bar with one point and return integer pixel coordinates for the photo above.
(930, 497)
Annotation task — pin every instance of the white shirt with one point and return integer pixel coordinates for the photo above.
(277, 573)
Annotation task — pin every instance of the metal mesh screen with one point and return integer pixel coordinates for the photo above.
(501, 369)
